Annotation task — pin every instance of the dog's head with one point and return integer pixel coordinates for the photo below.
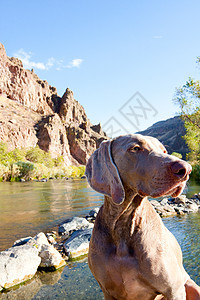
(140, 163)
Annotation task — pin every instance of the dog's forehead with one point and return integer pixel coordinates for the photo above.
(127, 141)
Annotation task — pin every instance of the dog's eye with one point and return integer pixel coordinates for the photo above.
(135, 149)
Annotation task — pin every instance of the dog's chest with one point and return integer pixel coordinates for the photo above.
(123, 273)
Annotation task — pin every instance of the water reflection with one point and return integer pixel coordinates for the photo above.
(32, 287)
(30, 207)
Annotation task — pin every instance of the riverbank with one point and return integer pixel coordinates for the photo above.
(34, 164)
(71, 241)
(28, 171)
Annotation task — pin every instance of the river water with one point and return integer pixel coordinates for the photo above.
(30, 207)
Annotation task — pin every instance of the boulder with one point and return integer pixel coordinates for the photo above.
(73, 224)
(196, 196)
(31, 288)
(22, 241)
(164, 201)
(169, 208)
(18, 264)
(172, 206)
(78, 243)
(154, 203)
(93, 212)
(193, 207)
(50, 257)
(161, 210)
(180, 200)
(51, 238)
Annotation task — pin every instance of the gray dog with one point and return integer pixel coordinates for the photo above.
(132, 255)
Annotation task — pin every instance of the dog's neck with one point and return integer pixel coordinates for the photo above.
(129, 211)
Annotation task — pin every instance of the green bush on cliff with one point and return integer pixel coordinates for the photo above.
(17, 155)
(59, 161)
(37, 155)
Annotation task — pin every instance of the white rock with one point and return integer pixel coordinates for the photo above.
(22, 241)
(169, 208)
(39, 240)
(51, 239)
(18, 264)
(50, 257)
(155, 203)
(73, 224)
(180, 200)
(193, 207)
(164, 201)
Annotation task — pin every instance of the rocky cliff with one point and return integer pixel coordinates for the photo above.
(170, 133)
(32, 113)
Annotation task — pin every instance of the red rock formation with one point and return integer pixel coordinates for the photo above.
(24, 86)
(31, 113)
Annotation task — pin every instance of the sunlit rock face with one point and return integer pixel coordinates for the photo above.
(32, 113)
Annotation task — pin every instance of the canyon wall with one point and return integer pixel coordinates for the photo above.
(32, 113)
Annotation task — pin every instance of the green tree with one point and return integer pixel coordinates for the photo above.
(188, 99)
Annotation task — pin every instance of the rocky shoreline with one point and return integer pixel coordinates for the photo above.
(51, 251)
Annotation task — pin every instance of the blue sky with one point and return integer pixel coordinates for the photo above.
(108, 52)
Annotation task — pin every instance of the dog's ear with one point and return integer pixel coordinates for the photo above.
(103, 175)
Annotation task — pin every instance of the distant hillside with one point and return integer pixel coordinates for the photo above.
(32, 113)
(170, 133)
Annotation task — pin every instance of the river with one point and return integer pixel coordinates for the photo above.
(30, 207)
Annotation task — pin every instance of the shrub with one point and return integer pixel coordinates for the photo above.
(59, 161)
(57, 172)
(3, 149)
(33, 163)
(35, 155)
(3, 153)
(195, 172)
(73, 171)
(25, 169)
(40, 171)
(179, 155)
(17, 155)
(4, 172)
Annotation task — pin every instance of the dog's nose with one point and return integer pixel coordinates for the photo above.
(180, 169)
